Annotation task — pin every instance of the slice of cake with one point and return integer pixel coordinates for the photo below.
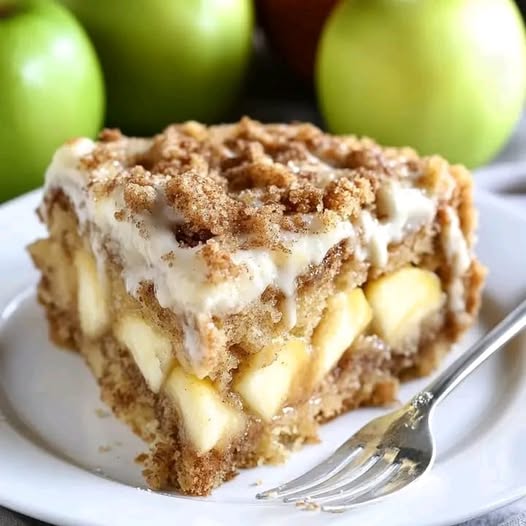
(231, 287)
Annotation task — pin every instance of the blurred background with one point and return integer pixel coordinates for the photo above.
(447, 78)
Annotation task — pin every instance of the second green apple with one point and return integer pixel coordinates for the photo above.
(444, 76)
(168, 61)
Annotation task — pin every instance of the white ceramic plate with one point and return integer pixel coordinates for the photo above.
(64, 461)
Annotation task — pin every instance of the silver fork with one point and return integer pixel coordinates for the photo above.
(394, 450)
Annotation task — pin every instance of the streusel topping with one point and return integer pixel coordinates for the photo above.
(241, 184)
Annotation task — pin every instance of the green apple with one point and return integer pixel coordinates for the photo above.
(444, 76)
(167, 61)
(51, 89)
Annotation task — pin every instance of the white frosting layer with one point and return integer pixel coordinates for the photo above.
(407, 210)
(181, 283)
(458, 254)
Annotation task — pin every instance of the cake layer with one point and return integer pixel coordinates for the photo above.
(214, 217)
(200, 432)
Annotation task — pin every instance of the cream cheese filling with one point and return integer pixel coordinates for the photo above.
(459, 256)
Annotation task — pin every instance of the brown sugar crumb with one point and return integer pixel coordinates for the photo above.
(347, 196)
(110, 135)
(139, 198)
(120, 215)
(104, 449)
(104, 153)
(140, 459)
(263, 224)
(203, 202)
(220, 265)
(259, 174)
(305, 199)
(437, 179)
(294, 223)
(257, 482)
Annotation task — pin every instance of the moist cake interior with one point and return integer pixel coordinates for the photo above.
(233, 287)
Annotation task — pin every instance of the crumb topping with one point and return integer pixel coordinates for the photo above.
(242, 184)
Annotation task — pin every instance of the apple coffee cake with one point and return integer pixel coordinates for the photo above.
(232, 287)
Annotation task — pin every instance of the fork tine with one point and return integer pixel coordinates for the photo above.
(341, 458)
(374, 478)
(392, 484)
(366, 465)
(349, 473)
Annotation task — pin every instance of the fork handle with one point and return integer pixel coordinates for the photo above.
(460, 369)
